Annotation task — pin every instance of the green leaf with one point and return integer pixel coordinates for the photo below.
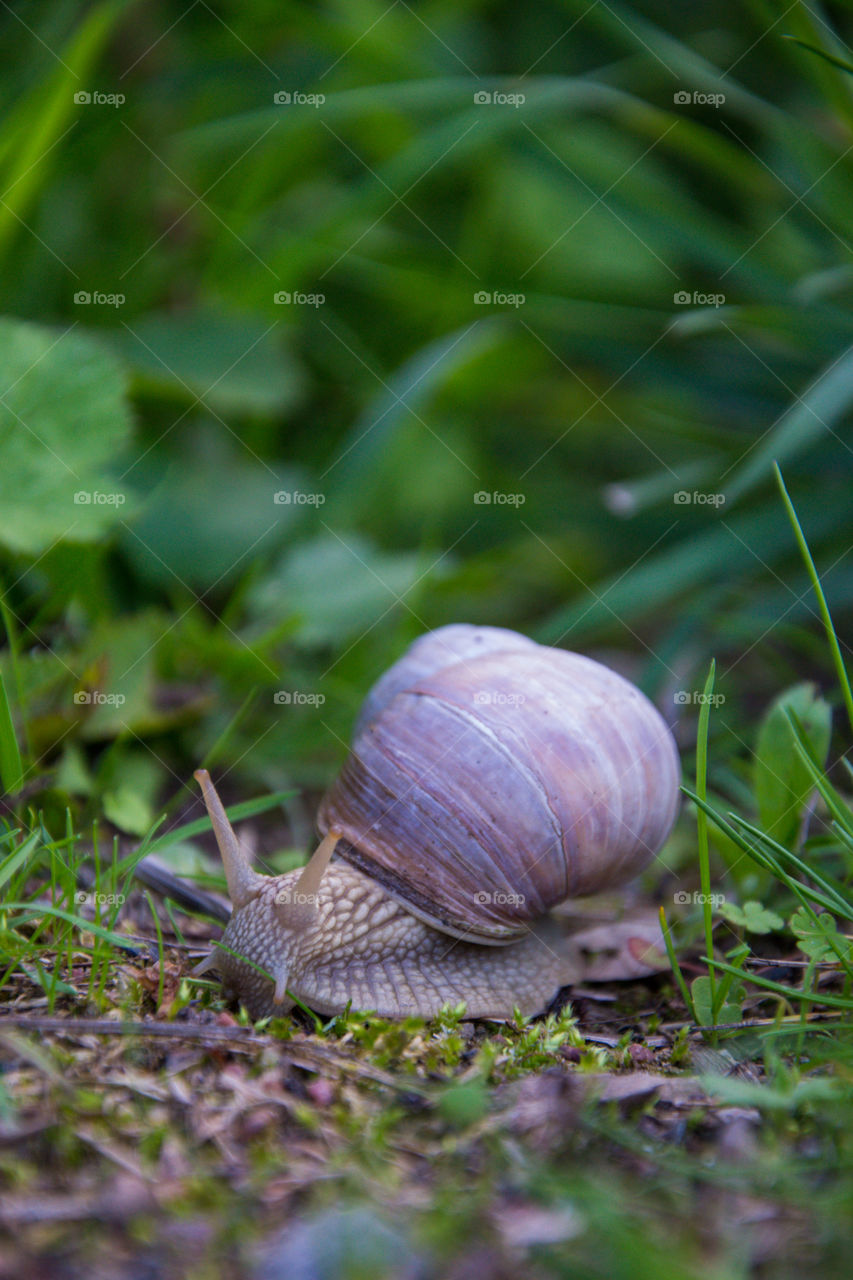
(205, 532)
(233, 364)
(702, 993)
(64, 423)
(117, 690)
(782, 781)
(128, 810)
(335, 587)
(131, 780)
(820, 939)
(752, 916)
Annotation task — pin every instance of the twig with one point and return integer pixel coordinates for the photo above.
(313, 1057)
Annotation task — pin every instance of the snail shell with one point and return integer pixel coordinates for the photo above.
(492, 778)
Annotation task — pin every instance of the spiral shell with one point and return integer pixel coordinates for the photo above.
(492, 778)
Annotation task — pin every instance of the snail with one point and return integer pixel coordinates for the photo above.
(490, 779)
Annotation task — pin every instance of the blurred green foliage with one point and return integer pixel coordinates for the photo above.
(670, 199)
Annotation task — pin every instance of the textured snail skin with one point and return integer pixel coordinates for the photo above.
(367, 950)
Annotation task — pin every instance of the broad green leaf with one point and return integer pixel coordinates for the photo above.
(335, 587)
(702, 993)
(820, 940)
(232, 364)
(131, 780)
(752, 916)
(782, 781)
(211, 514)
(72, 773)
(116, 690)
(64, 425)
(127, 810)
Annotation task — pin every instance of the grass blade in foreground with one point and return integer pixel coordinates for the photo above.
(11, 768)
(840, 668)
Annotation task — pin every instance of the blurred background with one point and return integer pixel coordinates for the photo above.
(325, 325)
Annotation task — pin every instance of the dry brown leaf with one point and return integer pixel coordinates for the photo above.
(619, 950)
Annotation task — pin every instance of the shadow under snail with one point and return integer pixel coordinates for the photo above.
(490, 779)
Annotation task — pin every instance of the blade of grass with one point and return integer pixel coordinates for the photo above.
(11, 768)
(15, 662)
(840, 668)
(18, 857)
(766, 860)
(790, 993)
(821, 53)
(213, 754)
(702, 826)
(801, 891)
(676, 967)
(834, 802)
(33, 911)
(161, 958)
(236, 812)
(44, 120)
(830, 896)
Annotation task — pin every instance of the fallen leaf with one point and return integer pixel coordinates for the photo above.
(617, 950)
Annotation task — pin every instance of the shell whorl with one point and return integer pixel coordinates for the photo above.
(483, 790)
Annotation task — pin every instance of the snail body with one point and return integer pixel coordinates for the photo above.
(490, 779)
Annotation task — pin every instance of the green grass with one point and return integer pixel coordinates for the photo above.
(816, 884)
(179, 615)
